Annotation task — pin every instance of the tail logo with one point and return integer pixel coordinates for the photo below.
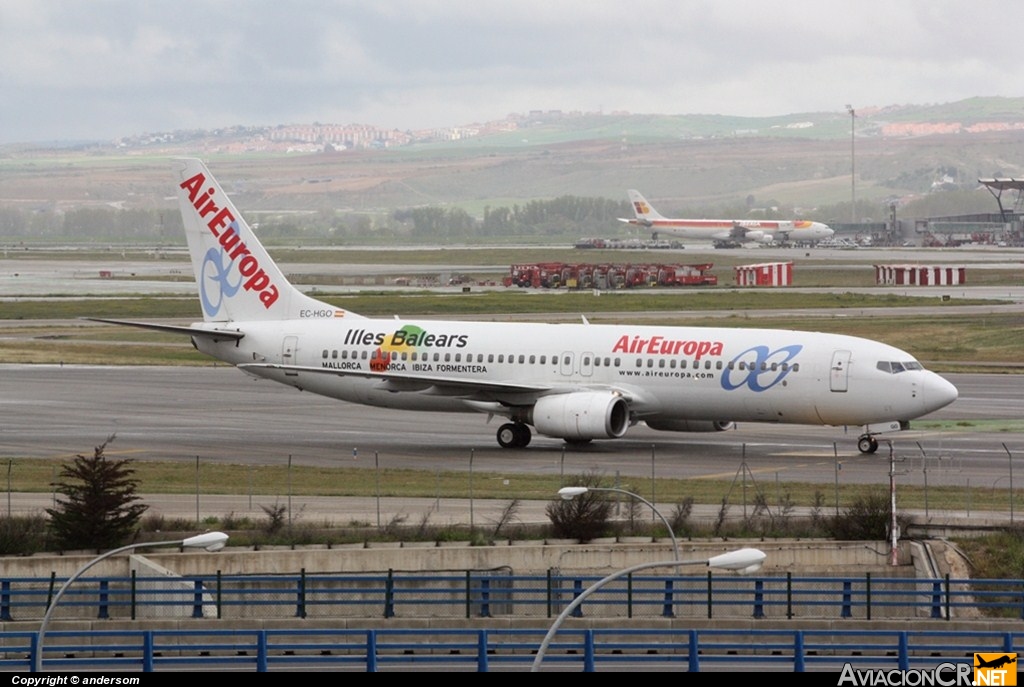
(641, 207)
(226, 229)
(215, 284)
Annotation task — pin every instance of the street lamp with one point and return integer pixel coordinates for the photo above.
(211, 541)
(743, 561)
(569, 493)
(853, 166)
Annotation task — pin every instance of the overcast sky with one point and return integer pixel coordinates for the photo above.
(101, 69)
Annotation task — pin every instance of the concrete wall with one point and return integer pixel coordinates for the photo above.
(808, 557)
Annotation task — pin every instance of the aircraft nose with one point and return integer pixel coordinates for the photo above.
(938, 392)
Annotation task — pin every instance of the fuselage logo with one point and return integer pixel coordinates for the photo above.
(759, 368)
(659, 345)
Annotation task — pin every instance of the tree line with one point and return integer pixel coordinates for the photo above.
(565, 216)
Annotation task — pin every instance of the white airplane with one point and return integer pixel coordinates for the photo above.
(575, 382)
(724, 232)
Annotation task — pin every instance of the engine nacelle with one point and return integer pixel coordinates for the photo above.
(581, 415)
(690, 425)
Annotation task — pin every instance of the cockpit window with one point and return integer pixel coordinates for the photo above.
(895, 367)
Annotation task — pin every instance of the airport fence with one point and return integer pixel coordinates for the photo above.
(483, 650)
(492, 594)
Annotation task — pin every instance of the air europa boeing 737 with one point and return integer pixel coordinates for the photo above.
(575, 382)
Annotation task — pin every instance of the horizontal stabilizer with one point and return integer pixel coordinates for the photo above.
(217, 334)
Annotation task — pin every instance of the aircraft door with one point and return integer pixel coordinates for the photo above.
(839, 376)
(289, 350)
(566, 363)
(587, 364)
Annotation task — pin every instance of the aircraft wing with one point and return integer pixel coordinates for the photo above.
(397, 381)
(448, 386)
(215, 334)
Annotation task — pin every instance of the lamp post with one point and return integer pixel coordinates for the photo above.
(211, 541)
(853, 166)
(744, 561)
(569, 493)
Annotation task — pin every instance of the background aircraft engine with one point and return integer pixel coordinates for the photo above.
(581, 415)
(690, 425)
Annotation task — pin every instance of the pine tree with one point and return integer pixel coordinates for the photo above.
(99, 509)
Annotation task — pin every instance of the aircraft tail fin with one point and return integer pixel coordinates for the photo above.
(236, 276)
(642, 209)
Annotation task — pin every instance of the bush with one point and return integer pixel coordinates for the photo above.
(22, 535)
(585, 517)
(867, 518)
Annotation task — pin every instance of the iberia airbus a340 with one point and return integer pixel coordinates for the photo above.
(575, 382)
(724, 232)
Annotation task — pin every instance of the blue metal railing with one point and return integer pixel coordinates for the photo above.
(474, 594)
(474, 649)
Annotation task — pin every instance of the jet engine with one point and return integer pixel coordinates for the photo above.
(758, 236)
(581, 415)
(690, 425)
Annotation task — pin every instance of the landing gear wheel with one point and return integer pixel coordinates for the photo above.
(523, 435)
(514, 435)
(867, 444)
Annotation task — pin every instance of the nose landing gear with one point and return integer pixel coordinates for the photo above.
(867, 444)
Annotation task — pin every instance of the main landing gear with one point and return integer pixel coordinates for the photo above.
(514, 435)
(867, 443)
